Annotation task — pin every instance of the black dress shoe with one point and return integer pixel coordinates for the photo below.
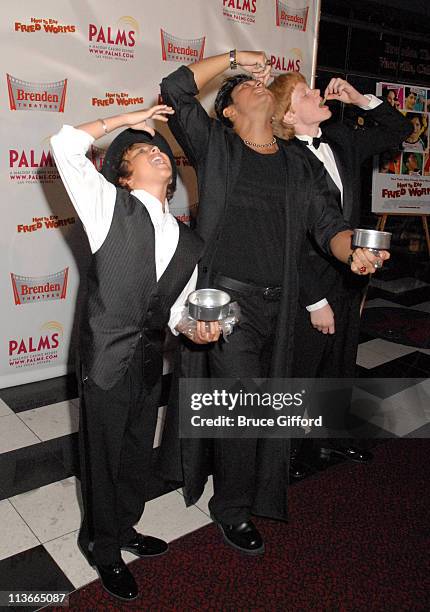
(243, 536)
(118, 580)
(348, 452)
(146, 546)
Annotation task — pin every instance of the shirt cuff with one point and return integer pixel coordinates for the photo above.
(176, 314)
(317, 305)
(72, 139)
(373, 102)
(178, 309)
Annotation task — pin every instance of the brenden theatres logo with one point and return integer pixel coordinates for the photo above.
(24, 95)
(289, 16)
(50, 26)
(120, 99)
(113, 42)
(44, 223)
(241, 11)
(287, 63)
(32, 289)
(184, 50)
(29, 166)
(38, 349)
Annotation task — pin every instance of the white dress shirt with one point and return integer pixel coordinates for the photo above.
(325, 155)
(93, 198)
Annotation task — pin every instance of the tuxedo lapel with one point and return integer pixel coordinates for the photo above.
(345, 176)
(333, 188)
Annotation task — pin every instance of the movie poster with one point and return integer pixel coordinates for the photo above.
(401, 178)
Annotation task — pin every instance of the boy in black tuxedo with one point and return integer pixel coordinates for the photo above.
(328, 318)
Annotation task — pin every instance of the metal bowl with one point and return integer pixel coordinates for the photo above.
(208, 304)
(371, 239)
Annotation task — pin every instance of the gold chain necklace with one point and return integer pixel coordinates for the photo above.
(260, 146)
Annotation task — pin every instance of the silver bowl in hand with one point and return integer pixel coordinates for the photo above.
(373, 240)
(208, 304)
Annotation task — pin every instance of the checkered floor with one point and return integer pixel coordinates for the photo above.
(39, 475)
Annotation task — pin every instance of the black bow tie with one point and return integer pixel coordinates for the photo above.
(316, 141)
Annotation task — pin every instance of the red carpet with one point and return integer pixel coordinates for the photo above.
(358, 540)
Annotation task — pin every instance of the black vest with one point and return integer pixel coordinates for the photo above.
(123, 296)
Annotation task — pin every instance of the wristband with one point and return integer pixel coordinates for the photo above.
(233, 59)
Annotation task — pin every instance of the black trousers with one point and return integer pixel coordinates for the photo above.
(116, 437)
(247, 354)
(318, 355)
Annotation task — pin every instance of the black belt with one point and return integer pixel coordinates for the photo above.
(271, 294)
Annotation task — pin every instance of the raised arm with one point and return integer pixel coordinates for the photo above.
(191, 124)
(92, 196)
(136, 120)
(253, 62)
(391, 126)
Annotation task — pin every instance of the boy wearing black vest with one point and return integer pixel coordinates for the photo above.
(142, 269)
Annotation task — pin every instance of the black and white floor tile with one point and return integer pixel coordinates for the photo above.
(39, 474)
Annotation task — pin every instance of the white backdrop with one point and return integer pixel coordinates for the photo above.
(73, 61)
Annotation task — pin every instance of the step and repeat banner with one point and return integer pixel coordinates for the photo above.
(74, 61)
(401, 179)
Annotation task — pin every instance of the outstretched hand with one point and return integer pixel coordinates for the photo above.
(137, 119)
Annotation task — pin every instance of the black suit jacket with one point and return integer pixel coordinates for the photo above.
(322, 276)
(215, 152)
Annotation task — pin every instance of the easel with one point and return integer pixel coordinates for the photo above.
(382, 220)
